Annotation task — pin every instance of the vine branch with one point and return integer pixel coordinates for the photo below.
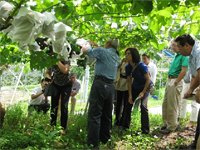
(13, 13)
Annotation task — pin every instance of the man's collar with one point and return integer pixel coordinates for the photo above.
(193, 49)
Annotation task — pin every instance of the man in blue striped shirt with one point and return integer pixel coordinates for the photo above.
(102, 91)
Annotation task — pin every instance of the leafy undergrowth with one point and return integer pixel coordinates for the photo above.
(21, 131)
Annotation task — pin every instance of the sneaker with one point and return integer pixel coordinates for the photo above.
(190, 124)
(63, 132)
(165, 131)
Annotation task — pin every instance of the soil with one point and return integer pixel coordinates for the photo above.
(7, 93)
(180, 139)
(175, 140)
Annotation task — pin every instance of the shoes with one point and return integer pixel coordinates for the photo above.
(190, 124)
(143, 132)
(63, 132)
(163, 128)
(96, 148)
(192, 146)
(165, 131)
(122, 128)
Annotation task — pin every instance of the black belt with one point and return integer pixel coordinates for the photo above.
(102, 78)
(122, 76)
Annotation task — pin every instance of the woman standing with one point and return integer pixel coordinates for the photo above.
(138, 81)
(61, 82)
(122, 93)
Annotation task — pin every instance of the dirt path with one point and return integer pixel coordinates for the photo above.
(6, 95)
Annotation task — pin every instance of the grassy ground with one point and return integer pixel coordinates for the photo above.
(21, 131)
(34, 132)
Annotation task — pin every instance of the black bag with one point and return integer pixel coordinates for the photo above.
(50, 90)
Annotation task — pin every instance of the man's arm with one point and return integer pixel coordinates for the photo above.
(73, 94)
(84, 48)
(33, 96)
(181, 75)
(194, 83)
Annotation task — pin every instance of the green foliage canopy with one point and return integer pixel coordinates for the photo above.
(145, 24)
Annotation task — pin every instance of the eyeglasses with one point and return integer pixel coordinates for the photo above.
(126, 54)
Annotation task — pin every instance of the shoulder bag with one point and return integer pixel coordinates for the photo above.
(50, 89)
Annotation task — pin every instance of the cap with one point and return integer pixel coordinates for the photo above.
(114, 42)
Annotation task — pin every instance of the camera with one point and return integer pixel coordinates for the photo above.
(47, 79)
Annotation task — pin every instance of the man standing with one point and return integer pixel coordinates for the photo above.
(188, 47)
(152, 71)
(38, 100)
(75, 89)
(151, 67)
(174, 86)
(102, 91)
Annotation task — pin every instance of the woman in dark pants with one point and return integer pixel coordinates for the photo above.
(122, 93)
(63, 86)
(138, 81)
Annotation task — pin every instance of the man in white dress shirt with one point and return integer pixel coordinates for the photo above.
(151, 67)
(38, 101)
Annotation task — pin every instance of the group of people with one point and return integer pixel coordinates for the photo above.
(124, 105)
(63, 86)
(132, 79)
(133, 83)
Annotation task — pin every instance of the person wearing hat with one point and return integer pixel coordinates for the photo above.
(102, 91)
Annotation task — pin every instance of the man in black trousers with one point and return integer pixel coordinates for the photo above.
(102, 91)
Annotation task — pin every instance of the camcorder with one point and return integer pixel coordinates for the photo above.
(47, 79)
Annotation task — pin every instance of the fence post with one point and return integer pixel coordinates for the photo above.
(16, 86)
(87, 76)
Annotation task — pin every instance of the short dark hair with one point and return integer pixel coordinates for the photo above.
(145, 54)
(73, 74)
(185, 38)
(134, 54)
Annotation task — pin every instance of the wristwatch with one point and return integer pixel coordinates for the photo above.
(176, 82)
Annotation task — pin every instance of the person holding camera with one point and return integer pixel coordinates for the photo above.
(38, 101)
(62, 85)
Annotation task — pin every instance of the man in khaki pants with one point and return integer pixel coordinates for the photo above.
(75, 89)
(2, 114)
(174, 86)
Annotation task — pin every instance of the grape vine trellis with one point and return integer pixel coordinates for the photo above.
(146, 24)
